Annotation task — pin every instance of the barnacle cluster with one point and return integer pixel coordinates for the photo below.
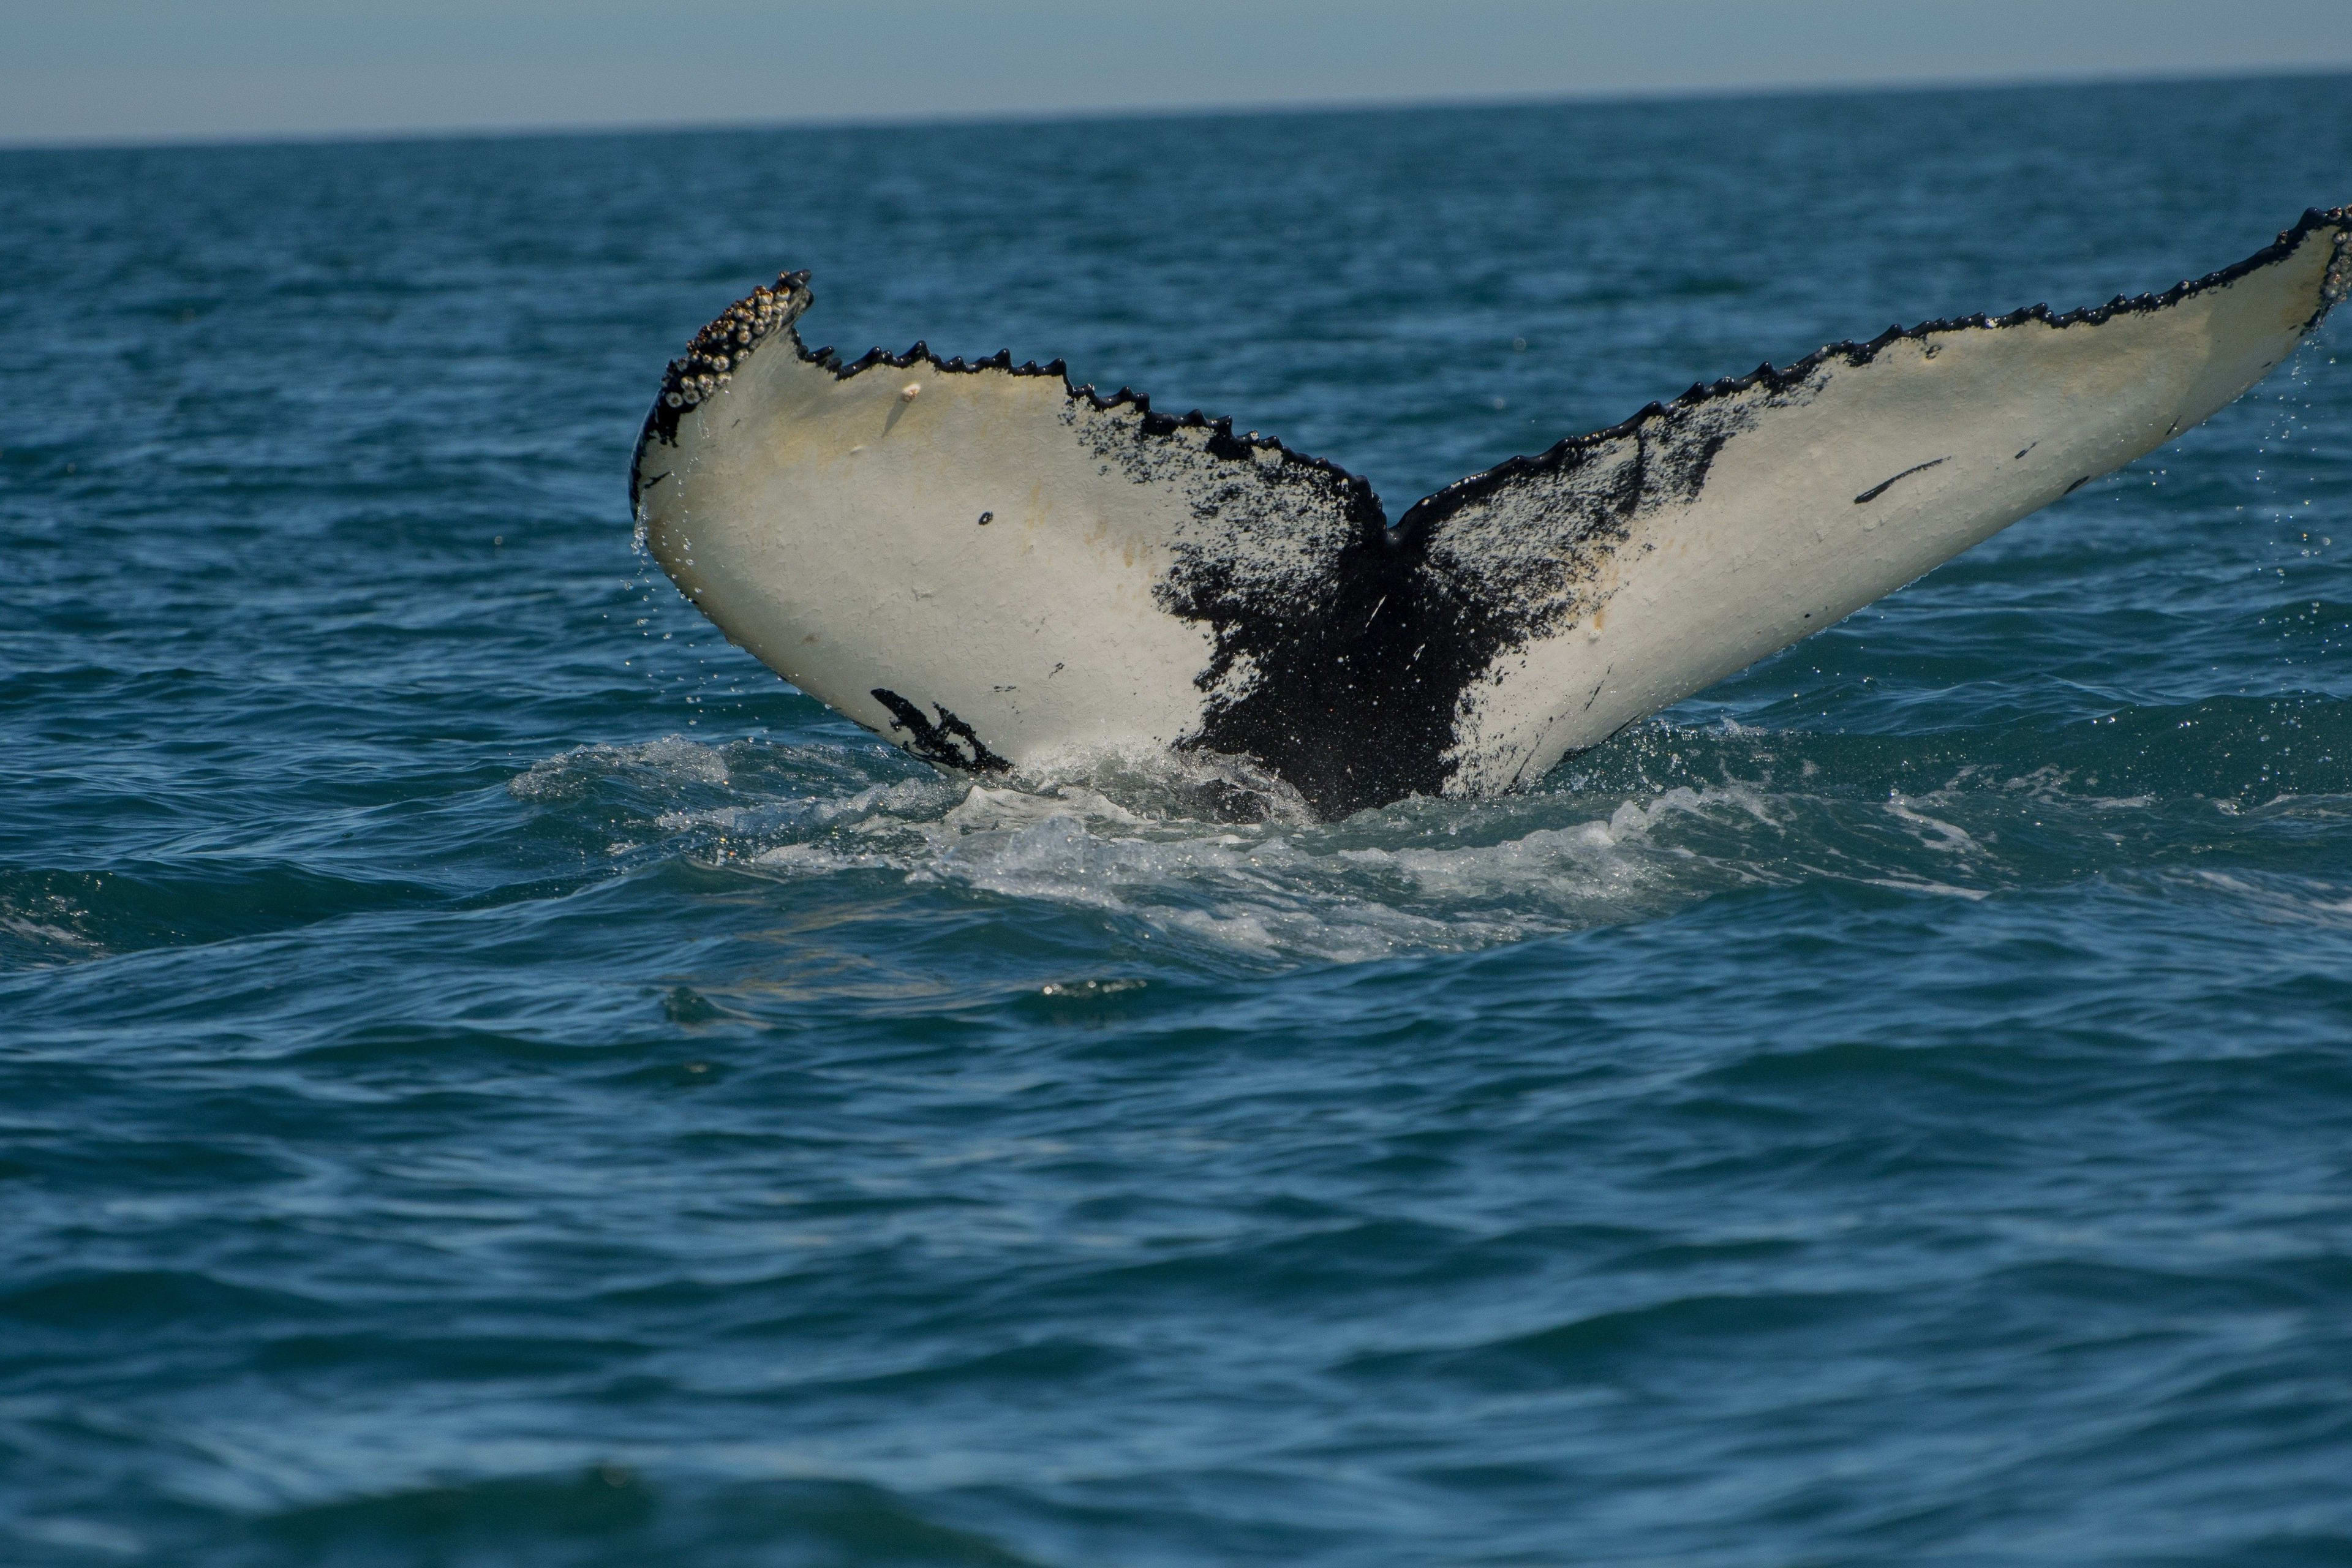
(710, 361)
(2339, 284)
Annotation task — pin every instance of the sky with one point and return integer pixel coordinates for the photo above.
(76, 71)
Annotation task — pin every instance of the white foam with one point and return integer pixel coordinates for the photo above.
(2283, 899)
(44, 933)
(1937, 834)
(1278, 889)
(1138, 842)
(1932, 888)
(671, 759)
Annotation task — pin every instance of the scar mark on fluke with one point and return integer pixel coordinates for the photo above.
(948, 742)
(1880, 489)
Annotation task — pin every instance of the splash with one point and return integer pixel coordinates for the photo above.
(1211, 852)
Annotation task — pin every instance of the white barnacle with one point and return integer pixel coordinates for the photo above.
(907, 393)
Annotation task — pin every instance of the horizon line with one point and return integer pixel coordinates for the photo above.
(1113, 114)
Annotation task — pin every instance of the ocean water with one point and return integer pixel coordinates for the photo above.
(490, 1075)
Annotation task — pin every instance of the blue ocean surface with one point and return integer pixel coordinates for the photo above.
(489, 1075)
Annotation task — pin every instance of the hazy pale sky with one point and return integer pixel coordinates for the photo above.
(129, 70)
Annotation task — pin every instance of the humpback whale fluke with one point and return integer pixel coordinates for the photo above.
(1140, 579)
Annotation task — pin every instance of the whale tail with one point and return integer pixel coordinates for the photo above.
(991, 567)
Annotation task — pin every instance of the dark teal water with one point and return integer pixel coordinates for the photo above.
(490, 1075)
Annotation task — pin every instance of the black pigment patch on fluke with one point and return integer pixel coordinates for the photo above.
(1359, 677)
(947, 742)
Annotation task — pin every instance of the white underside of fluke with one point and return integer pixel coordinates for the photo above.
(831, 526)
(995, 570)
